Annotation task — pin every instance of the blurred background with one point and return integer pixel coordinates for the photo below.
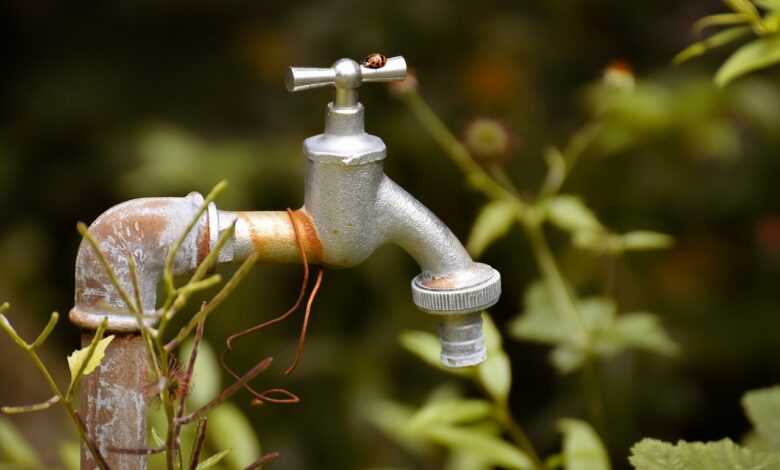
(106, 101)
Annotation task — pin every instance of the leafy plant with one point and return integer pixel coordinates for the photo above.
(172, 386)
(745, 19)
(760, 451)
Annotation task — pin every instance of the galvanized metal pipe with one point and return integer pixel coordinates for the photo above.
(113, 404)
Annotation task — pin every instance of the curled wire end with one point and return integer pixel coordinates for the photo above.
(304, 327)
(283, 397)
(301, 292)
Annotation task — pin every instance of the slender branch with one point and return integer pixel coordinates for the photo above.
(228, 392)
(84, 231)
(518, 435)
(171, 257)
(200, 439)
(267, 458)
(12, 410)
(75, 417)
(53, 319)
(138, 311)
(226, 290)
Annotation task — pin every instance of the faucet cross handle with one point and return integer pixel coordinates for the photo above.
(346, 75)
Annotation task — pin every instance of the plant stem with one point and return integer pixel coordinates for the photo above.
(518, 434)
(499, 187)
(74, 416)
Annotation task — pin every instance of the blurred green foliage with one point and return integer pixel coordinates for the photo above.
(108, 102)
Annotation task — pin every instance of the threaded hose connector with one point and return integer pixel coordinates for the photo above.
(458, 298)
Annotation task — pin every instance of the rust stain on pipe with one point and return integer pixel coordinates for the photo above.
(273, 237)
(144, 229)
(113, 404)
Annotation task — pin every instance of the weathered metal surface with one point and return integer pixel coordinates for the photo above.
(356, 207)
(113, 404)
(271, 235)
(144, 229)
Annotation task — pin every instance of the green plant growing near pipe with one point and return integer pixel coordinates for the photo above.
(169, 383)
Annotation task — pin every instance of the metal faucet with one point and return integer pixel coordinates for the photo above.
(351, 207)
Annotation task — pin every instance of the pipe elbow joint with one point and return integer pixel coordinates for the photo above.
(144, 229)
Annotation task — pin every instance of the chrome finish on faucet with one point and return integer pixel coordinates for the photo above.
(356, 207)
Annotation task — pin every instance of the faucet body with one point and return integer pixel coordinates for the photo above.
(351, 208)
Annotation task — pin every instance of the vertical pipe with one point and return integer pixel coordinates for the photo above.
(113, 403)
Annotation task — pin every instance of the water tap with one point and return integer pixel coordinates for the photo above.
(351, 207)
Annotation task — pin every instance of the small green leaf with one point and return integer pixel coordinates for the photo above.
(645, 240)
(771, 5)
(427, 347)
(213, 460)
(582, 448)
(754, 55)
(651, 454)
(393, 419)
(762, 406)
(493, 222)
(76, 360)
(540, 320)
(14, 448)
(490, 448)
(449, 412)
(744, 7)
(567, 358)
(571, 214)
(492, 334)
(716, 40)
(641, 330)
(230, 429)
(495, 375)
(723, 19)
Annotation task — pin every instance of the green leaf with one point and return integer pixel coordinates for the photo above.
(229, 429)
(14, 448)
(639, 330)
(76, 360)
(393, 419)
(762, 407)
(571, 214)
(213, 460)
(716, 40)
(449, 412)
(541, 321)
(206, 377)
(651, 454)
(567, 358)
(427, 347)
(582, 448)
(493, 222)
(723, 19)
(771, 5)
(70, 455)
(466, 461)
(609, 333)
(744, 7)
(490, 448)
(491, 332)
(495, 375)
(752, 56)
(645, 240)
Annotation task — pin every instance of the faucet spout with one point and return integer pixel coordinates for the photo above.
(451, 285)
